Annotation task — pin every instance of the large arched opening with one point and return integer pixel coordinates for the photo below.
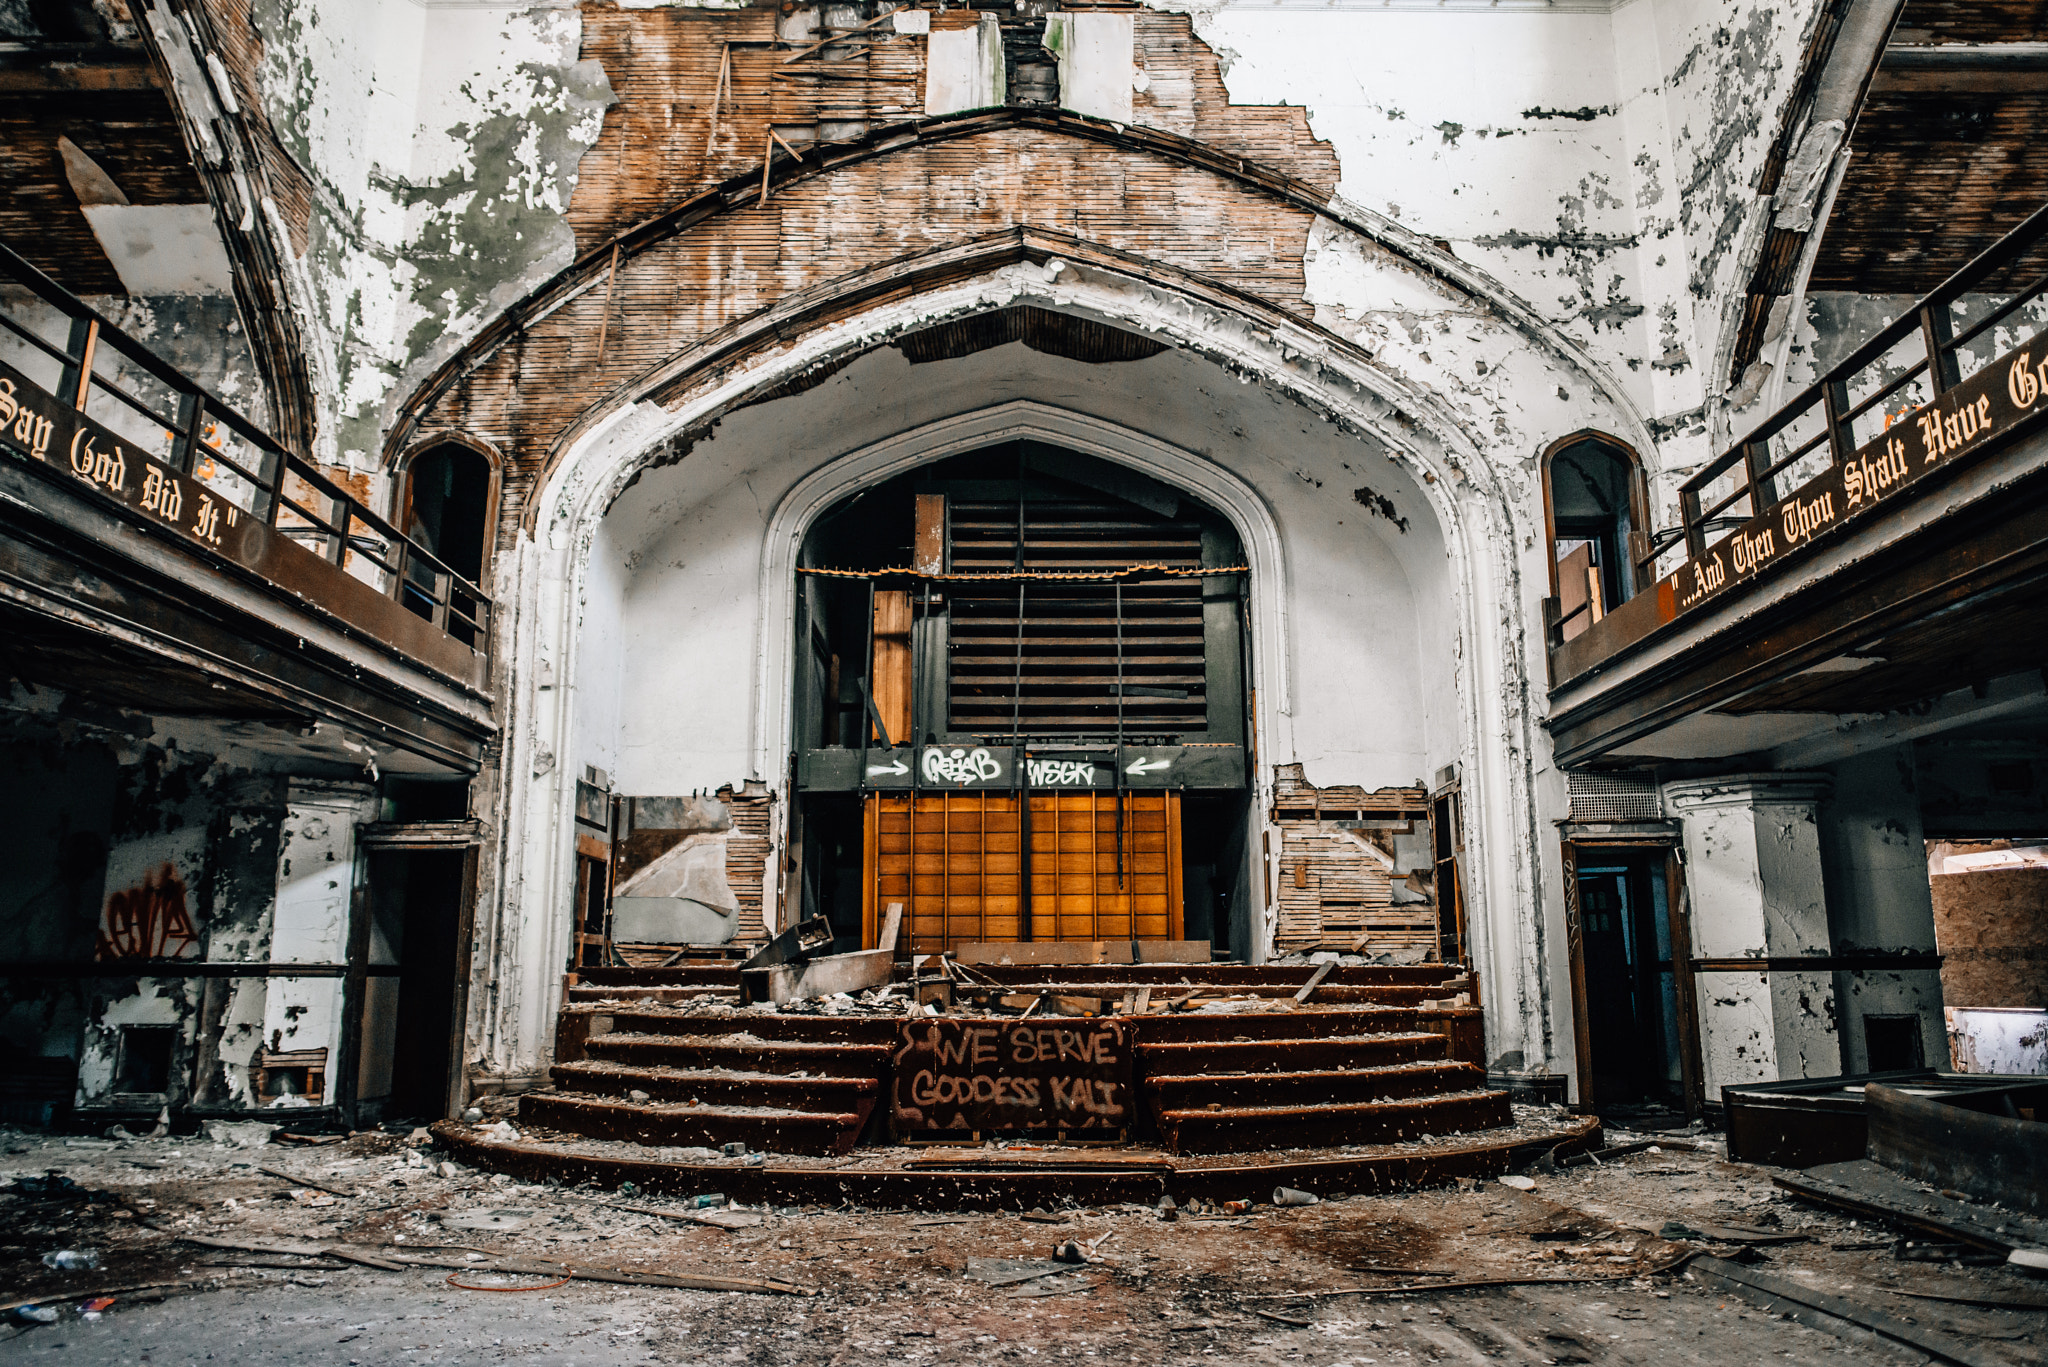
(656, 576)
(709, 649)
(1020, 707)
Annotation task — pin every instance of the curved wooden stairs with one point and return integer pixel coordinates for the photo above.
(1374, 1058)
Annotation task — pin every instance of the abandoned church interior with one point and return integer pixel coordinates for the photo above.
(1001, 605)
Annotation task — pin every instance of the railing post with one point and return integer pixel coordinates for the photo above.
(1834, 397)
(77, 382)
(1756, 460)
(347, 510)
(280, 467)
(1937, 330)
(191, 422)
(401, 561)
(1689, 518)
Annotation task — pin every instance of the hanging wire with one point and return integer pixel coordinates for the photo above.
(1010, 576)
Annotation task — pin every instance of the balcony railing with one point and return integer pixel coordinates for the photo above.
(1963, 368)
(82, 397)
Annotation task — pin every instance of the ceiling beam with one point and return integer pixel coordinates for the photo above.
(1962, 69)
(75, 78)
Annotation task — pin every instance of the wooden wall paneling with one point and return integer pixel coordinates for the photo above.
(956, 859)
(892, 663)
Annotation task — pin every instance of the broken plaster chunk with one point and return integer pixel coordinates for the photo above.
(240, 1134)
(1518, 1182)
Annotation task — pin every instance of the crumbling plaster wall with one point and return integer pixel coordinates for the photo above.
(443, 144)
(1601, 163)
(1874, 863)
(1551, 311)
(133, 805)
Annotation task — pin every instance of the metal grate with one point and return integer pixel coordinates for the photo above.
(1080, 644)
(1614, 797)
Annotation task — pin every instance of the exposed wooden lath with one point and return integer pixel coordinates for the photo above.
(538, 377)
(746, 854)
(132, 134)
(1947, 156)
(1336, 881)
(1934, 180)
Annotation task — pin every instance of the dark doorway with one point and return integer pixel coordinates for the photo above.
(411, 1026)
(1631, 989)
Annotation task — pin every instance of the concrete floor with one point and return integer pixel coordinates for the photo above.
(890, 1286)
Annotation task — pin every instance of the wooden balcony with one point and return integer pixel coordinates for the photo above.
(1904, 485)
(148, 525)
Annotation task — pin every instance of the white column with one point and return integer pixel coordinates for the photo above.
(316, 882)
(1754, 884)
(1880, 901)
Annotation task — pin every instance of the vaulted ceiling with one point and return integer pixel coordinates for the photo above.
(1947, 154)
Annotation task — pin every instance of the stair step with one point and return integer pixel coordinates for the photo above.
(588, 996)
(1194, 1092)
(1176, 1027)
(683, 975)
(652, 1018)
(718, 1087)
(1236, 1129)
(1193, 1058)
(759, 1127)
(741, 1054)
(1164, 977)
(1328, 993)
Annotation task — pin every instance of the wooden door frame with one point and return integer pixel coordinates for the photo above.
(439, 837)
(1678, 920)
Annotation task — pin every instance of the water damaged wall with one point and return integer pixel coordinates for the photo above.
(441, 146)
(1397, 251)
(169, 844)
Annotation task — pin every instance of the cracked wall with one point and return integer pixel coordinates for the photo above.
(442, 147)
(161, 839)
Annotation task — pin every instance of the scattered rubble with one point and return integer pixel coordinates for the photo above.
(1649, 1244)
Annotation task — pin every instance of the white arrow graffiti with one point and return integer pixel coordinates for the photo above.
(1148, 766)
(899, 768)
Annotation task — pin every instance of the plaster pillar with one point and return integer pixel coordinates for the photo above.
(1880, 903)
(1754, 882)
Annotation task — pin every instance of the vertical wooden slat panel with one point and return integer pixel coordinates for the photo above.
(955, 859)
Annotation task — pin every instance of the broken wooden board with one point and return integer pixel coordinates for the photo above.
(1872, 1190)
(1087, 952)
(1315, 980)
(1819, 1310)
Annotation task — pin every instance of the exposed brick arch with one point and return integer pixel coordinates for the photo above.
(899, 203)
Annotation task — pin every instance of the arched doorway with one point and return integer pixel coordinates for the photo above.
(1019, 706)
(450, 508)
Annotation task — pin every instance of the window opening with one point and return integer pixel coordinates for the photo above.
(448, 511)
(1594, 504)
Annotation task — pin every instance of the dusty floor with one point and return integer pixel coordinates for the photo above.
(896, 1287)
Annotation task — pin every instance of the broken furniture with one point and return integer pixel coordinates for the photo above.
(1800, 1122)
(1986, 1142)
(789, 968)
(289, 1072)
